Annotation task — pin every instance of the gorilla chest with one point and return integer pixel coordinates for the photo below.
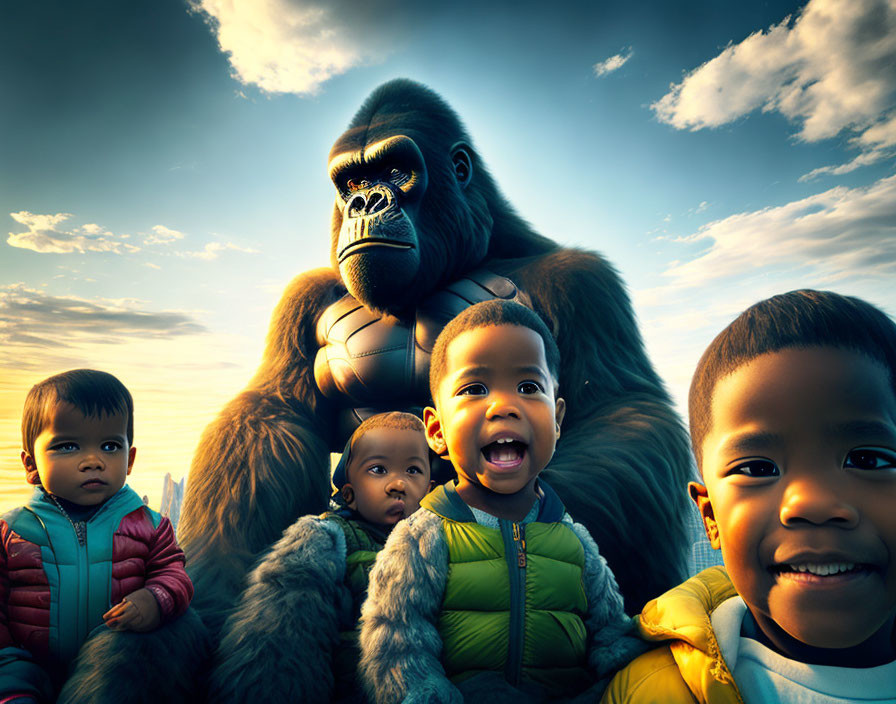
(369, 362)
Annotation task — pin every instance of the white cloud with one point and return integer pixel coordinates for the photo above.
(163, 235)
(863, 159)
(213, 249)
(45, 235)
(836, 234)
(876, 143)
(35, 318)
(293, 46)
(830, 69)
(841, 239)
(602, 68)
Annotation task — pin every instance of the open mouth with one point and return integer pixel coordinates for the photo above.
(505, 453)
(369, 242)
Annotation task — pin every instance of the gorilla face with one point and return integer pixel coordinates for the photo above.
(379, 190)
(407, 216)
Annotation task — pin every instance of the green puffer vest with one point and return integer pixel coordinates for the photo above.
(514, 598)
(362, 543)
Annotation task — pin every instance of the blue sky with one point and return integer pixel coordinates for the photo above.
(163, 169)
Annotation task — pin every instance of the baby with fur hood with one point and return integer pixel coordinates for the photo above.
(293, 635)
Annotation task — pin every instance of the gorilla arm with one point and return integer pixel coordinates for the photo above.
(622, 446)
(264, 460)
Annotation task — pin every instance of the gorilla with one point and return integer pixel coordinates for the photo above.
(420, 231)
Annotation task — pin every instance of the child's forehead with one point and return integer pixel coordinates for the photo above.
(387, 442)
(795, 392)
(60, 413)
(525, 343)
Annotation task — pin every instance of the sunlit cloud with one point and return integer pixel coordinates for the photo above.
(213, 249)
(34, 318)
(836, 233)
(294, 46)
(843, 239)
(878, 143)
(602, 68)
(46, 235)
(830, 68)
(162, 235)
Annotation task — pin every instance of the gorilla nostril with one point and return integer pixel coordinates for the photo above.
(377, 202)
(374, 203)
(355, 206)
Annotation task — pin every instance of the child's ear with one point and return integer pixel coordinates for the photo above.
(704, 505)
(348, 495)
(559, 412)
(434, 436)
(31, 474)
(132, 453)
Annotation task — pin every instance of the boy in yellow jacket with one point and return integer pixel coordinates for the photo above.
(793, 423)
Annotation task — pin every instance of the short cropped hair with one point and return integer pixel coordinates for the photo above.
(803, 318)
(393, 419)
(92, 392)
(486, 314)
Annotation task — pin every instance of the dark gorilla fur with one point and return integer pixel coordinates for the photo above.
(623, 459)
(122, 667)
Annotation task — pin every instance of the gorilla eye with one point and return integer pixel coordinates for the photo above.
(397, 177)
(356, 185)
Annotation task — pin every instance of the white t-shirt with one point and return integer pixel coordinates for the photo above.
(764, 676)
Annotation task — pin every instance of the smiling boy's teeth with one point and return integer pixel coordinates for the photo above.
(503, 440)
(823, 570)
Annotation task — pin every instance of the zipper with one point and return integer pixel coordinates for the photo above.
(80, 527)
(514, 535)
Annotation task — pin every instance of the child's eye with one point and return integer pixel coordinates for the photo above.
(110, 446)
(870, 458)
(756, 468)
(529, 387)
(377, 469)
(475, 389)
(414, 469)
(65, 447)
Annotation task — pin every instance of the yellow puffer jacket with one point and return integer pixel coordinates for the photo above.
(688, 666)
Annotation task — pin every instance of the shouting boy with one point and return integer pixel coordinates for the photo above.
(490, 591)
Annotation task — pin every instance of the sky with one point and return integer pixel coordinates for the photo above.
(163, 170)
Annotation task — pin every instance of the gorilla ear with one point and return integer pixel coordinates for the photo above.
(463, 163)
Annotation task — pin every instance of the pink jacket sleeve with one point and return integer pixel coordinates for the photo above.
(166, 577)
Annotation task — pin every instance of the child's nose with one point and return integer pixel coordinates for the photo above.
(92, 460)
(502, 405)
(396, 486)
(815, 502)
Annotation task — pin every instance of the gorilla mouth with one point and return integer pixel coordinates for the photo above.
(369, 242)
